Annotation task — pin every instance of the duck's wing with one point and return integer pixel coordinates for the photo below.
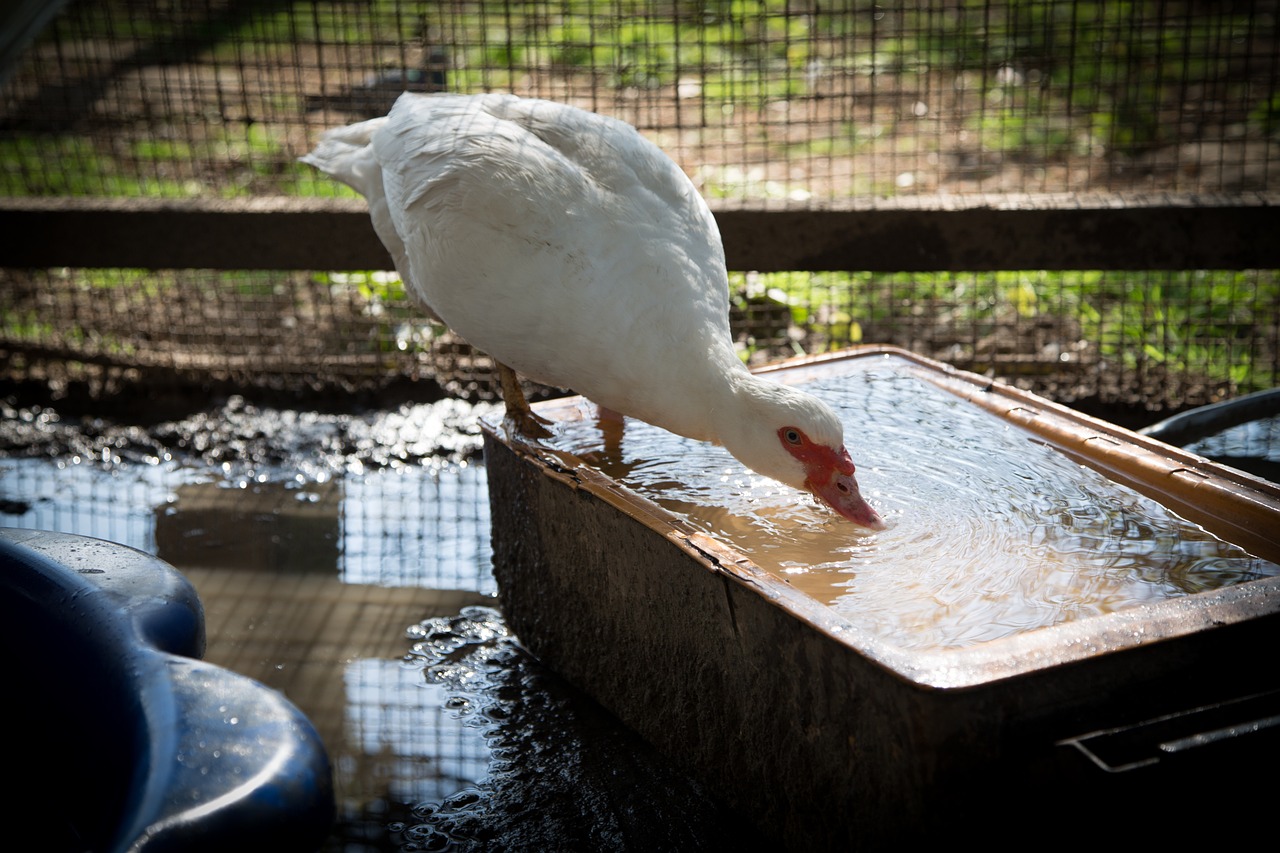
(446, 161)
(498, 172)
(613, 153)
(507, 163)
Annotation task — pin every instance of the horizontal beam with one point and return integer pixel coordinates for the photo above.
(1022, 233)
(144, 233)
(913, 235)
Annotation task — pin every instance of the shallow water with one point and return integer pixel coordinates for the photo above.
(564, 775)
(414, 526)
(991, 532)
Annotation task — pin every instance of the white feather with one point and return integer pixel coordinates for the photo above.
(574, 251)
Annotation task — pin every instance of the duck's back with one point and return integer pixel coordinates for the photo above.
(561, 242)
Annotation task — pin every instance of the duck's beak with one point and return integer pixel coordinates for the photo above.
(840, 492)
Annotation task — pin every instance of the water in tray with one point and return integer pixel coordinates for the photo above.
(991, 532)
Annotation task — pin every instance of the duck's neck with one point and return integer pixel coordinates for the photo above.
(726, 407)
(738, 424)
(695, 399)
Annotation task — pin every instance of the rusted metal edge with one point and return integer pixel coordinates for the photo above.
(930, 234)
(972, 666)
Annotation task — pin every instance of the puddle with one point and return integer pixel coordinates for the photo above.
(412, 526)
(315, 541)
(564, 774)
(391, 499)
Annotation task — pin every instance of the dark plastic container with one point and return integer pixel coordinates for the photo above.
(125, 740)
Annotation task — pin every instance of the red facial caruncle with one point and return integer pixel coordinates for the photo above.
(829, 474)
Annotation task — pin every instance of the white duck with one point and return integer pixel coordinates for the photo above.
(574, 252)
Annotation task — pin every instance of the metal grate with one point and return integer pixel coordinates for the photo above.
(766, 103)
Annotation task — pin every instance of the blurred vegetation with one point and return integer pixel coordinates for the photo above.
(1192, 320)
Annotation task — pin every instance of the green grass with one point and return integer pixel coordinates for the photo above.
(375, 286)
(83, 168)
(234, 160)
(1200, 324)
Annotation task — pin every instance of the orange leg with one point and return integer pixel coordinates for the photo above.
(518, 411)
(612, 425)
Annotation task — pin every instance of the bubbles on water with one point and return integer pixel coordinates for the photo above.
(437, 639)
(423, 837)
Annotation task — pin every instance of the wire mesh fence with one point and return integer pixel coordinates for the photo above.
(773, 102)
(764, 99)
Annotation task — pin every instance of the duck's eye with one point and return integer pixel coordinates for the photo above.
(791, 434)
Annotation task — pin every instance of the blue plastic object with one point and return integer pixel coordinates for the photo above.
(132, 743)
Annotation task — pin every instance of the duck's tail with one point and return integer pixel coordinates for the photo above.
(344, 153)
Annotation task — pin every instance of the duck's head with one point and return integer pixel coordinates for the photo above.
(797, 439)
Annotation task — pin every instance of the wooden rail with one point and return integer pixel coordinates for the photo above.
(911, 235)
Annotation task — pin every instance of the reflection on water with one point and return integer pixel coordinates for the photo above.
(990, 531)
(1252, 447)
(409, 526)
(394, 713)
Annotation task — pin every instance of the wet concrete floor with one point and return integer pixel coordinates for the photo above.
(344, 560)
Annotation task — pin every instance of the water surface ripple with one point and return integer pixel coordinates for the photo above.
(991, 532)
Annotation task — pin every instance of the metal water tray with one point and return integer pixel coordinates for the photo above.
(829, 738)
